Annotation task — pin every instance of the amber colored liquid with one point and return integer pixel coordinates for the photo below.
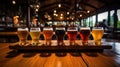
(97, 36)
(22, 35)
(35, 36)
(84, 34)
(48, 35)
(72, 35)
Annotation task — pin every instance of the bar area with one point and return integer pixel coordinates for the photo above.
(60, 33)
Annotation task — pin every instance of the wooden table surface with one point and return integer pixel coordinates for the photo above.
(109, 58)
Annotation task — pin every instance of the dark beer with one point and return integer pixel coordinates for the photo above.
(60, 32)
(84, 34)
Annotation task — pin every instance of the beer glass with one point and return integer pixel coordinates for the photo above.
(48, 33)
(60, 33)
(22, 35)
(35, 34)
(97, 33)
(84, 34)
(72, 33)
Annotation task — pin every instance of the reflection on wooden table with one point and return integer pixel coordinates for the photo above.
(109, 58)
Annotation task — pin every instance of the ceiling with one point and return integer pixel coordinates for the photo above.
(76, 8)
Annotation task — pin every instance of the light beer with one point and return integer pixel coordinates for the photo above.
(84, 34)
(72, 33)
(60, 33)
(97, 34)
(35, 34)
(48, 33)
(22, 35)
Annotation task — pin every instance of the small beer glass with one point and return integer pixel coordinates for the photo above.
(84, 34)
(22, 35)
(48, 33)
(97, 33)
(72, 33)
(35, 34)
(60, 33)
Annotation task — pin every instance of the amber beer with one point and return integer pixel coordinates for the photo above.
(97, 33)
(84, 34)
(22, 35)
(60, 32)
(72, 33)
(48, 33)
(35, 34)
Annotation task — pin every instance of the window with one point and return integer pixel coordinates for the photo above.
(102, 16)
(111, 18)
(87, 21)
(92, 20)
(118, 14)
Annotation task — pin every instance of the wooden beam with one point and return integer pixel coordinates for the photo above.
(88, 5)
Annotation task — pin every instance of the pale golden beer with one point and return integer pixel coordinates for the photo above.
(97, 34)
(22, 35)
(35, 34)
(48, 33)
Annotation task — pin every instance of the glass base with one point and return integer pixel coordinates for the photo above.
(85, 43)
(35, 43)
(47, 44)
(61, 44)
(98, 43)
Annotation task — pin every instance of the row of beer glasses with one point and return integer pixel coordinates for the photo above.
(97, 33)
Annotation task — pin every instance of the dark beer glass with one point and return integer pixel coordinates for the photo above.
(60, 32)
(84, 34)
(72, 33)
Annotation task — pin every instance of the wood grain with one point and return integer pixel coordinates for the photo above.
(37, 60)
(9, 58)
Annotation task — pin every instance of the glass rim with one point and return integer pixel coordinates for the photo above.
(72, 29)
(22, 29)
(35, 29)
(97, 28)
(60, 28)
(85, 28)
(47, 28)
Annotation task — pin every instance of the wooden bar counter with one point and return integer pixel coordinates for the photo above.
(107, 58)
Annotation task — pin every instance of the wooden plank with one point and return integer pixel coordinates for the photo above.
(60, 48)
(65, 48)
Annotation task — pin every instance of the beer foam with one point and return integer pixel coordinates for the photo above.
(23, 29)
(97, 28)
(60, 28)
(35, 30)
(47, 28)
(85, 28)
(72, 30)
